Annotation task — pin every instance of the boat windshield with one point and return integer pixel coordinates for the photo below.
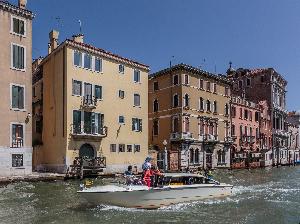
(187, 180)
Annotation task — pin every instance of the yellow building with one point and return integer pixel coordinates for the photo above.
(89, 103)
(15, 89)
(189, 118)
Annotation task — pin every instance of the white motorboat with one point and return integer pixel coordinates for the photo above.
(172, 188)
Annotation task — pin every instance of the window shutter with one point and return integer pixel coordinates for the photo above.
(140, 125)
(133, 121)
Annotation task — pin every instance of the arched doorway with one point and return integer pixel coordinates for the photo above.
(87, 151)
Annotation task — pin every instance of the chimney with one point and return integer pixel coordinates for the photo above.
(78, 38)
(22, 4)
(53, 37)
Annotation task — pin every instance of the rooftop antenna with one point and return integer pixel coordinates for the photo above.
(171, 61)
(80, 26)
(230, 64)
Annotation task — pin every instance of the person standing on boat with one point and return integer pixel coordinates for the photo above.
(147, 171)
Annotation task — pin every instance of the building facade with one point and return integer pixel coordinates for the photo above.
(245, 130)
(293, 122)
(15, 89)
(266, 84)
(93, 104)
(189, 118)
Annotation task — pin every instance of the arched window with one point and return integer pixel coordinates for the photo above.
(201, 103)
(155, 127)
(208, 105)
(192, 156)
(197, 156)
(186, 124)
(186, 100)
(175, 101)
(155, 105)
(215, 107)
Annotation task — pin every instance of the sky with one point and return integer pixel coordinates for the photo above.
(206, 33)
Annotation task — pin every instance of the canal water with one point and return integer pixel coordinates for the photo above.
(260, 196)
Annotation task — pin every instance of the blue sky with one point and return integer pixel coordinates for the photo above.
(207, 33)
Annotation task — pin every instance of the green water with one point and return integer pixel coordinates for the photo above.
(260, 196)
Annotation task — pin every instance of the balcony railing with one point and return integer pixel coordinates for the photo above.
(17, 142)
(281, 133)
(230, 139)
(87, 130)
(89, 102)
(177, 136)
(247, 139)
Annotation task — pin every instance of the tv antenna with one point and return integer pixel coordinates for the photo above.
(80, 26)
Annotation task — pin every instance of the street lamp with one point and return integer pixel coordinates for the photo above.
(165, 143)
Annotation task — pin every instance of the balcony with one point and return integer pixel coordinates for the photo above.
(89, 132)
(89, 102)
(281, 133)
(208, 138)
(247, 139)
(229, 139)
(179, 136)
(17, 142)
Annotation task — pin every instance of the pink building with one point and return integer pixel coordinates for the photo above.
(245, 117)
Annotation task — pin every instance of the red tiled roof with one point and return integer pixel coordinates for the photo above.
(107, 53)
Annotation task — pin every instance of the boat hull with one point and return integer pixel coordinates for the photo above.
(156, 197)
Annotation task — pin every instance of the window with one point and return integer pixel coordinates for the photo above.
(186, 100)
(136, 124)
(186, 79)
(17, 135)
(186, 124)
(250, 130)
(221, 156)
(18, 26)
(191, 152)
(256, 116)
(93, 123)
(175, 80)
(262, 78)
(175, 101)
(77, 88)
(197, 156)
(241, 113)
(87, 61)
(78, 58)
(121, 68)
(98, 92)
(175, 124)
(248, 82)
(233, 110)
(137, 100)
(201, 104)
(226, 91)
(155, 127)
(201, 84)
(208, 106)
(121, 119)
(246, 115)
(137, 148)
(129, 148)
(241, 84)
(137, 76)
(155, 105)
(18, 57)
(76, 121)
(17, 97)
(250, 115)
(121, 147)
(215, 107)
(98, 65)
(155, 86)
(88, 93)
(241, 130)
(113, 147)
(121, 94)
(226, 109)
(233, 130)
(208, 86)
(17, 160)
(215, 87)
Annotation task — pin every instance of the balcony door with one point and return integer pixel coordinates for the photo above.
(93, 123)
(88, 92)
